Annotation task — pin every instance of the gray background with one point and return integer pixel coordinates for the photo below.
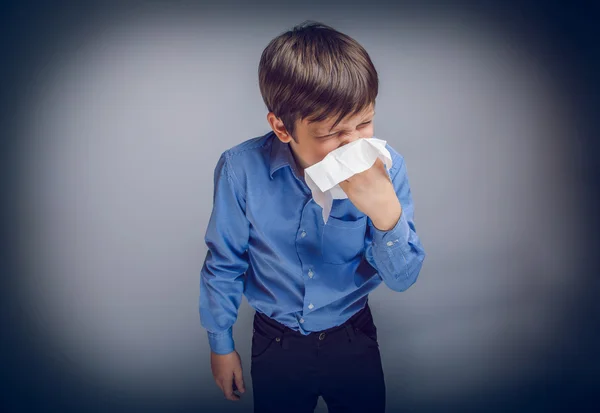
(119, 136)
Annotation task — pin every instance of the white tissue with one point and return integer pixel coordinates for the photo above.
(323, 178)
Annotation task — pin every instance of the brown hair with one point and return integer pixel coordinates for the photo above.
(313, 72)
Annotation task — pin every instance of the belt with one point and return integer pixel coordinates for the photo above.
(280, 331)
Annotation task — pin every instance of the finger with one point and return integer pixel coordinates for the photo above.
(228, 389)
(239, 381)
(220, 386)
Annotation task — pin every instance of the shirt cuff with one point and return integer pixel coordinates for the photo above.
(221, 343)
(395, 238)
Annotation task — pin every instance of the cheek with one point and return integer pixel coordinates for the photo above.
(327, 147)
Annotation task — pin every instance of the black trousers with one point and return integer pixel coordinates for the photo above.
(342, 364)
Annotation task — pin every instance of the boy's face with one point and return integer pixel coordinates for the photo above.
(315, 140)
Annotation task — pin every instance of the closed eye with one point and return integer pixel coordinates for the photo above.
(342, 133)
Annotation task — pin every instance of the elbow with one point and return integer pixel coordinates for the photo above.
(408, 277)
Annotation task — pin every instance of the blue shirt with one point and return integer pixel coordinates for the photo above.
(266, 239)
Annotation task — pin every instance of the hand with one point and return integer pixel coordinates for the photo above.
(227, 371)
(372, 193)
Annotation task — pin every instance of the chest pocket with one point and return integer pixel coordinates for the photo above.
(343, 241)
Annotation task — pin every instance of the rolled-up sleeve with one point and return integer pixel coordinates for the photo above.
(397, 255)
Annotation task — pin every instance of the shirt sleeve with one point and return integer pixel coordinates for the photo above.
(397, 255)
(222, 275)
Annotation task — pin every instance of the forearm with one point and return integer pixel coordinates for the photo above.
(220, 299)
(388, 215)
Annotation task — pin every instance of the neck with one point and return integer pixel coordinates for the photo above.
(299, 165)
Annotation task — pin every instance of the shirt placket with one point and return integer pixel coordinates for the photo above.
(305, 237)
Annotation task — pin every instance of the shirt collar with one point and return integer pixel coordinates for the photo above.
(281, 155)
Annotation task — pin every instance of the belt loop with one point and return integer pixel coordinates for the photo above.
(284, 342)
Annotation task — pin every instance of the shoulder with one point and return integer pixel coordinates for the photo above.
(251, 147)
(251, 150)
(398, 165)
(250, 155)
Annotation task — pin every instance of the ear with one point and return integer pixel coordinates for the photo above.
(278, 127)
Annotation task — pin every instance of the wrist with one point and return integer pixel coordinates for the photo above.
(389, 217)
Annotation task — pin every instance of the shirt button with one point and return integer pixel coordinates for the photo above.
(390, 243)
(310, 273)
(310, 306)
(303, 234)
(301, 320)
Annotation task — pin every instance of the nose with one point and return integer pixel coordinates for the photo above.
(350, 139)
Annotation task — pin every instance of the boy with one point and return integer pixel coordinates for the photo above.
(308, 281)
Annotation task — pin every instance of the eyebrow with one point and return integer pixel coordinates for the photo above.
(319, 135)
